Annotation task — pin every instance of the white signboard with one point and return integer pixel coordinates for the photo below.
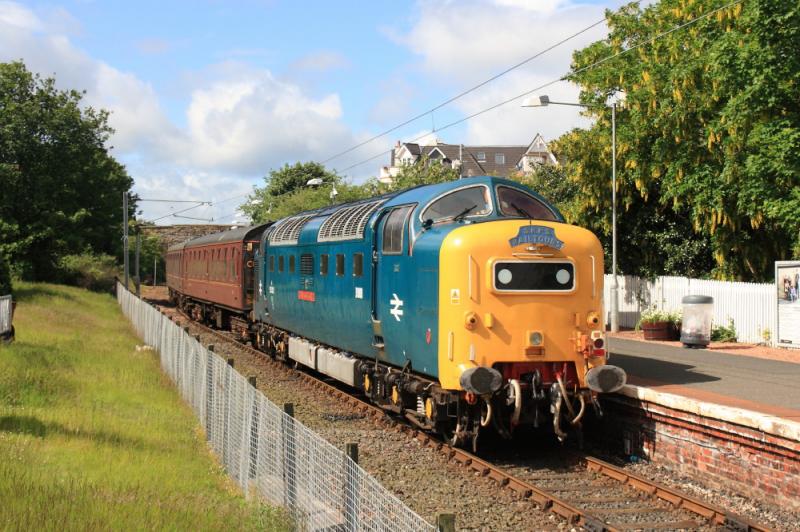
(787, 283)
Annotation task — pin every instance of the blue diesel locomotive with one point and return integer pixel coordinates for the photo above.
(459, 305)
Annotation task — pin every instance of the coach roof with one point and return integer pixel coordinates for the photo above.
(239, 234)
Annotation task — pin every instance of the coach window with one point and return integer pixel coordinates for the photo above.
(272, 263)
(393, 230)
(358, 264)
(323, 264)
(280, 264)
(339, 264)
(291, 263)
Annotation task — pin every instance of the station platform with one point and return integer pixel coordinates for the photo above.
(766, 384)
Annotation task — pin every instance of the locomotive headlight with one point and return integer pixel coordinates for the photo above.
(535, 338)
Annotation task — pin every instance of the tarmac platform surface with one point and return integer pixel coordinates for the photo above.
(771, 387)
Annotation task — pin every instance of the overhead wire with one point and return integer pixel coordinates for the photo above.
(465, 92)
(558, 80)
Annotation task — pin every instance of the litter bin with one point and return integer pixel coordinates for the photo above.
(696, 326)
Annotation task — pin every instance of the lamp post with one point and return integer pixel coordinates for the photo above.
(543, 101)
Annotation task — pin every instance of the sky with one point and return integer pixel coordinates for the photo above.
(206, 97)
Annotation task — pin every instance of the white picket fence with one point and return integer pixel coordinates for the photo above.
(751, 306)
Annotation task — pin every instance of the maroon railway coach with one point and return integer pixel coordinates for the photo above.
(211, 277)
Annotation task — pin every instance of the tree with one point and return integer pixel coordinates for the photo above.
(708, 135)
(60, 190)
(286, 191)
(423, 172)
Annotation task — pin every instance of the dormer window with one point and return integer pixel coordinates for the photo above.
(499, 158)
(481, 156)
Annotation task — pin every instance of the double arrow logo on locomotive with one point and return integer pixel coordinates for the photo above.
(397, 307)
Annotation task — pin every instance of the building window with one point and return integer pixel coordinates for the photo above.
(280, 264)
(499, 158)
(481, 156)
(339, 264)
(306, 264)
(272, 263)
(323, 264)
(358, 264)
(291, 263)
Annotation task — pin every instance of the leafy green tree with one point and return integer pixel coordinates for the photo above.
(60, 190)
(708, 135)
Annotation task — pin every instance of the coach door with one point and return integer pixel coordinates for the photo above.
(394, 294)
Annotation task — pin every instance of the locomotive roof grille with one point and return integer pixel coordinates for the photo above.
(348, 223)
(288, 231)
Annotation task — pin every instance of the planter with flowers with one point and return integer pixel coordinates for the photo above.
(660, 324)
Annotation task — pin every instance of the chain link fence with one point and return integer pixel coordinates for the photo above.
(273, 457)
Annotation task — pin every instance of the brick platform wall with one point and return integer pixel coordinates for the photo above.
(724, 454)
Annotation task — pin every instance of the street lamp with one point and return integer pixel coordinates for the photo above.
(544, 101)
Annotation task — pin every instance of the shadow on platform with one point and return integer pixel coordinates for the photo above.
(660, 372)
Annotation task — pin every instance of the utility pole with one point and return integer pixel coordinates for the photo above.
(615, 282)
(125, 235)
(138, 253)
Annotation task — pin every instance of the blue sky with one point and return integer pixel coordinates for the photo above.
(207, 97)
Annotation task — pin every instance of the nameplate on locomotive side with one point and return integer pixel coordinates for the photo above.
(537, 234)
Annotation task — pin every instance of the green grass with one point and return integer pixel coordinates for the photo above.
(94, 436)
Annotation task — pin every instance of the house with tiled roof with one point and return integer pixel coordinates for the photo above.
(500, 161)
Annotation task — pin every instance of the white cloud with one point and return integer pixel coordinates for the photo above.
(461, 44)
(321, 61)
(240, 121)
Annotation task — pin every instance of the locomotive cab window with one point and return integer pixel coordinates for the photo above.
(463, 203)
(323, 264)
(393, 230)
(339, 264)
(516, 203)
(358, 264)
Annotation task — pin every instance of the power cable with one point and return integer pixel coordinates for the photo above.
(465, 92)
(562, 78)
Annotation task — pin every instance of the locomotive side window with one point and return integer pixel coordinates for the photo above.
(323, 264)
(280, 264)
(358, 264)
(393, 230)
(339, 264)
(272, 263)
(291, 263)
(516, 203)
(467, 202)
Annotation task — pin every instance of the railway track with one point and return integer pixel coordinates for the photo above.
(594, 494)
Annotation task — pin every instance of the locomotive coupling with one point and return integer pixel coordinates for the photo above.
(481, 380)
(606, 378)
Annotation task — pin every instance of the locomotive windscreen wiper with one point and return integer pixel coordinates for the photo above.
(460, 216)
(525, 214)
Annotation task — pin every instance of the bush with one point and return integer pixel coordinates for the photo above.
(724, 334)
(89, 270)
(5, 277)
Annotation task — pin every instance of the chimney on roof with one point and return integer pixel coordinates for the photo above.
(397, 145)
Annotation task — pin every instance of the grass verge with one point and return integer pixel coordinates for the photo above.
(94, 436)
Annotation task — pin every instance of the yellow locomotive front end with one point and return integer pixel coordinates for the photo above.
(522, 330)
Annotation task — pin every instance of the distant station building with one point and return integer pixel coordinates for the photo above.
(502, 161)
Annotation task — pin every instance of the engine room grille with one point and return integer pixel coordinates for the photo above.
(348, 223)
(306, 264)
(288, 231)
